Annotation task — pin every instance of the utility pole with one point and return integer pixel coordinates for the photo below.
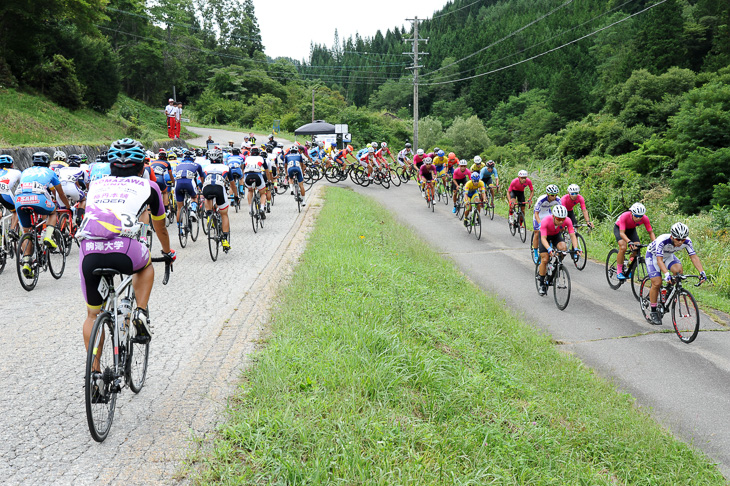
(313, 104)
(415, 67)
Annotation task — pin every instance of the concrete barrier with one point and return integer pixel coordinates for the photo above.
(22, 156)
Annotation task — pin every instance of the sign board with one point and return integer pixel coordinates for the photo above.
(342, 128)
(211, 145)
(328, 139)
(347, 137)
(275, 127)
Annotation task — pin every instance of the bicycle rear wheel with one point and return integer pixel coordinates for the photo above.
(685, 316)
(561, 287)
(183, 229)
(644, 301)
(637, 276)
(477, 224)
(194, 225)
(537, 277)
(27, 244)
(580, 263)
(513, 225)
(213, 238)
(254, 212)
(64, 223)
(137, 356)
(57, 256)
(99, 392)
(522, 228)
(490, 206)
(611, 272)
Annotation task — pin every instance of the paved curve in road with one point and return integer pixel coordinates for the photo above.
(685, 387)
(206, 322)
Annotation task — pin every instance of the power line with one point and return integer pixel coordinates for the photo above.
(548, 51)
(502, 39)
(452, 11)
(474, 68)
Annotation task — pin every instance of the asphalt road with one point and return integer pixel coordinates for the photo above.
(685, 387)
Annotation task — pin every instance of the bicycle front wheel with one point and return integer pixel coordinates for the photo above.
(57, 256)
(561, 287)
(512, 226)
(477, 224)
(522, 228)
(685, 316)
(637, 276)
(580, 263)
(644, 301)
(611, 272)
(213, 239)
(27, 244)
(490, 207)
(101, 397)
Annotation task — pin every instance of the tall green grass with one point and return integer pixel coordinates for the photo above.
(387, 366)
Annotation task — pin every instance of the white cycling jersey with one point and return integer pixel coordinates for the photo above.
(543, 206)
(9, 181)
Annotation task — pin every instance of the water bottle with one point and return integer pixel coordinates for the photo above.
(124, 309)
(193, 206)
(664, 294)
(550, 268)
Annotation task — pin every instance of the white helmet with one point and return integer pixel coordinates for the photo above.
(374, 144)
(419, 152)
(573, 189)
(463, 162)
(59, 155)
(477, 160)
(371, 150)
(637, 209)
(552, 189)
(680, 231)
(560, 211)
(383, 145)
(522, 173)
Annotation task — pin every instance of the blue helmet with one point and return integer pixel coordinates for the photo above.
(6, 161)
(441, 153)
(126, 153)
(475, 177)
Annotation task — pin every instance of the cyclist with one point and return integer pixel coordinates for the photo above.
(427, 173)
(367, 160)
(461, 177)
(160, 167)
(551, 238)
(452, 162)
(478, 164)
(294, 169)
(543, 205)
(253, 176)
(440, 162)
(109, 235)
(418, 162)
(101, 168)
(75, 181)
(474, 187)
(571, 199)
(341, 156)
(516, 192)
(186, 177)
(405, 155)
(59, 160)
(271, 141)
(661, 259)
(9, 179)
(217, 178)
(489, 176)
(34, 192)
(380, 154)
(235, 164)
(625, 233)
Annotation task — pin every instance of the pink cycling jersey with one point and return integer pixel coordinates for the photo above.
(427, 171)
(460, 173)
(569, 203)
(625, 221)
(516, 185)
(548, 228)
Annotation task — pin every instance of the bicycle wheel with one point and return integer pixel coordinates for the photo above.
(331, 175)
(490, 206)
(193, 225)
(644, 301)
(513, 225)
(637, 276)
(477, 225)
(183, 229)
(522, 228)
(685, 316)
(27, 244)
(101, 396)
(384, 179)
(446, 195)
(213, 239)
(561, 287)
(394, 178)
(580, 263)
(298, 198)
(471, 221)
(137, 357)
(611, 273)
(64, 223)
(537, 277)
(57, 256)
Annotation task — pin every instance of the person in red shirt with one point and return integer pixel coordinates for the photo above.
(461, 177)
(516, 192)
(170, 111)
(428, 176)
(551, 239)
(626, 236)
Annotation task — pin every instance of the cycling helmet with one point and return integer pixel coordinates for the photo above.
(321, 144)
(452, 155)
(59, 155)
(149, 154)
(440, 153)
(522, 173)
(475, 177)
(74, 160)
(477, 160)
(638, 209)
(333, 145)
(41, 158)
(560, 211)
(680, 231)
(374, 144)
(419, 152)
(236, 151)
(162, 155)
(428, 160)
(271, 137)
(408, 145)
(573, 189)
(6, 161)
(307, 144)
(178, 151)
(190, 155)
(350, 148)
(383, 145)
(294, 149)
(103, 156)
(255, 151)
(226, 149)
(215, 155)
(436, 150)
(490, 164)
(84, 158)
(463, 162)
(371, 150)
(172, 157)
(552, 190)
(126, 153)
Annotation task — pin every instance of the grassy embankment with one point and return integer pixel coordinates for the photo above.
(387, 366)
(33, 120)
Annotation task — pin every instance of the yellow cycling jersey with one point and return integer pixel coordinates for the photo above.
(477, 167)
(471, 187)
(439, 160)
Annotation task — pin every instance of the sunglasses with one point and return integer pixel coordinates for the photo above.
(573, 193)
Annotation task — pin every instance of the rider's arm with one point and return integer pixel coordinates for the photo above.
(157, 215)
(62, 195)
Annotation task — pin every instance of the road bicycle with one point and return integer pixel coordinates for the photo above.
(215, 233)
(443, 190)
(256, 211)
(8, 240)
(582, 255)
(428, 192)
(460, 207)
(634, 269)
(489, 205)
(474, 221)
(557, 277)
(407, 172)
(68, 227)
(297, 196)
(189, 224)
(685, 313)
(116, 356)
(33, 251)
(359, 175)
(518, 222)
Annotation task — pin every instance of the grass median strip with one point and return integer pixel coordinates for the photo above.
(387, 366)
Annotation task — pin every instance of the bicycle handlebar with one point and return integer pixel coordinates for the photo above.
(168, 268)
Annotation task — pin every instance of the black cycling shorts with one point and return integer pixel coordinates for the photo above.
(553, 240)
(631, 233)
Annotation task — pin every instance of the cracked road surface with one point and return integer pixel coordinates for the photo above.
(205, 321)
(685, 387)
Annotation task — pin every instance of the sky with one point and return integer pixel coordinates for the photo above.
(289, 26)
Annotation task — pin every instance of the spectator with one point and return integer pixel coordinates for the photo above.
(178, 119)
(210, 144)
(171, 112)
(252, 139)
(230, 143)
